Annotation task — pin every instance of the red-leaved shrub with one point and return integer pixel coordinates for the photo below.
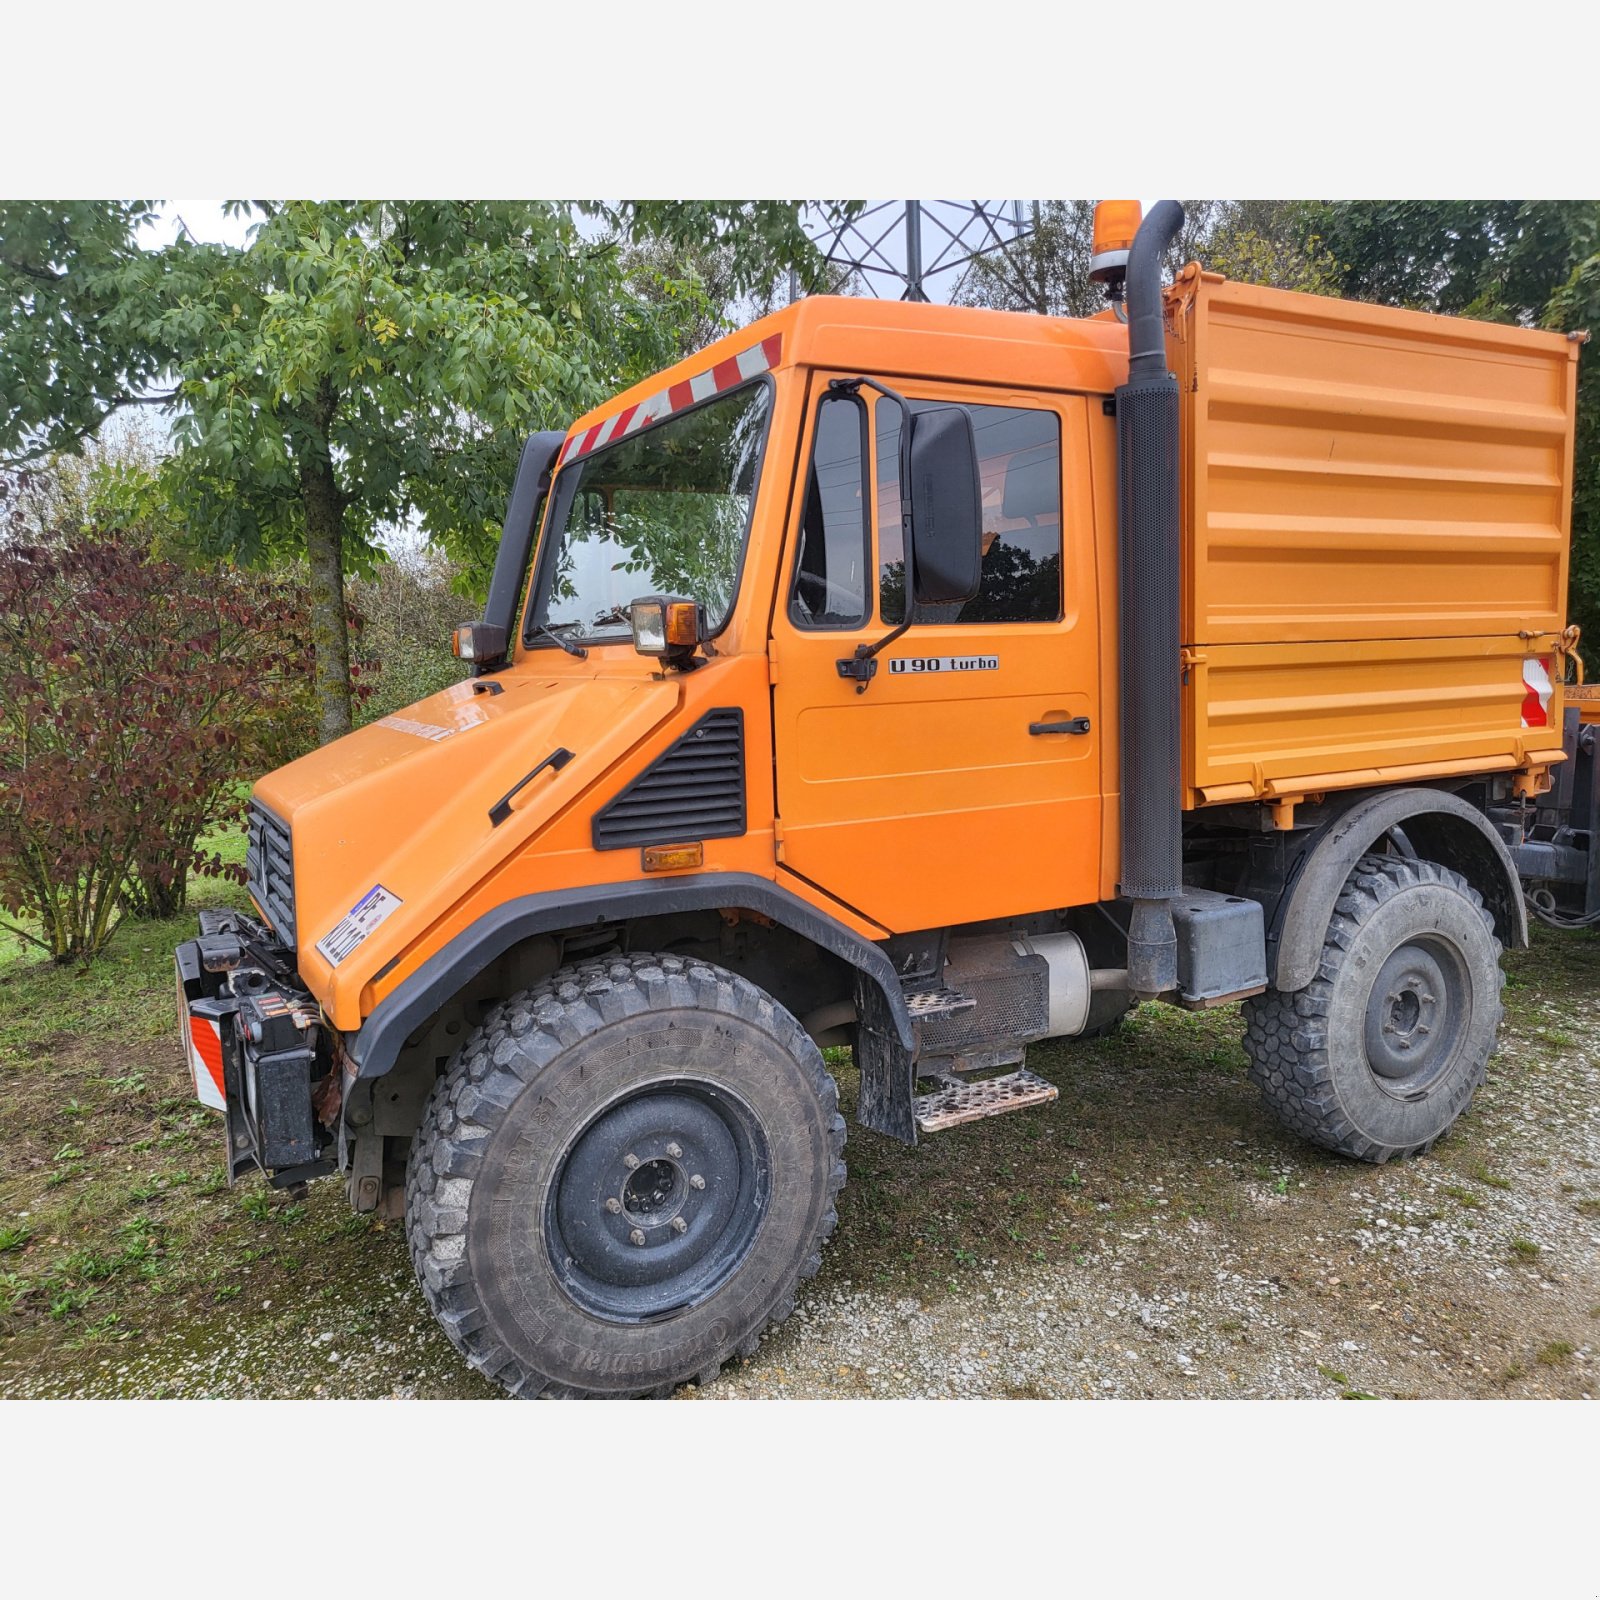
(135, 693)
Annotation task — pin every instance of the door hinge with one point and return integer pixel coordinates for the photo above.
(777, 839)
(772, 662)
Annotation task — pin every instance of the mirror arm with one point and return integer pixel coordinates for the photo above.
(861, 666)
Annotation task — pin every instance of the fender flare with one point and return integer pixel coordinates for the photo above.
(376, 1045)
(1438, 825)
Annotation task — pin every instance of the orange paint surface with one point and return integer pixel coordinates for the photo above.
(1375, 511)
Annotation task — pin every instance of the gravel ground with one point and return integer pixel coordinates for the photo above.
(1152, 1234)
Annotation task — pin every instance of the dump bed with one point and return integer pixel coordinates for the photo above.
(1376, 512)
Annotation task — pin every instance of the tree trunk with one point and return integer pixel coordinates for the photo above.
(330, 627)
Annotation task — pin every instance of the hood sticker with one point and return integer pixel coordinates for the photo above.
(423, 730)
(362, 919)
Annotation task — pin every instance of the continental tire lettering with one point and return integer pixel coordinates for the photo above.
(944, 663)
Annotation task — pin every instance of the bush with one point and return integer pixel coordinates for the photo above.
(407, 610)
(134, 693)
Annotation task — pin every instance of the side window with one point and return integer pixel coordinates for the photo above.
(1019, 466)
(830, 579)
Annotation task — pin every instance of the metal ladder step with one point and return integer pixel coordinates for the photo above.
(969, 1102)
(940, 1002)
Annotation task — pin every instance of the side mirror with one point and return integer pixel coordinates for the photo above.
(669, 627)
(534, 470)
(946, 507)
(479, 643)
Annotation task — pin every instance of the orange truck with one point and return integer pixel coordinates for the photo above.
(931, 681)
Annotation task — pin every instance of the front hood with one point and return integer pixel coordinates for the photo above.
(404, 802)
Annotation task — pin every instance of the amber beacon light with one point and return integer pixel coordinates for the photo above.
(1115, 223)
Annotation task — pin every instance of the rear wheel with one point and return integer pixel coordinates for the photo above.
(1385, 1047)
(622, 1177)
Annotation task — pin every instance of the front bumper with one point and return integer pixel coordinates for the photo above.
(255, 1046)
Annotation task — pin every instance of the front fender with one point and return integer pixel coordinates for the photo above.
(376, 1045)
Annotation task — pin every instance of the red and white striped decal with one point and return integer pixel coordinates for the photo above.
(737, 369)
(1536, 692)
(205, 1061)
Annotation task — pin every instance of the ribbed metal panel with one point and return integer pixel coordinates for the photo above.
(693, 790)
(269, 869)
(1375, 510)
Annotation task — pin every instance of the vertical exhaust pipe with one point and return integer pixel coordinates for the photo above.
(1147, 473)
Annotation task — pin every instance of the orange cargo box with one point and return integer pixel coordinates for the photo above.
(1375, 509)
(1587, 698)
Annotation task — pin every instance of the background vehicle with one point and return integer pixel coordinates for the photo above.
(934, 681)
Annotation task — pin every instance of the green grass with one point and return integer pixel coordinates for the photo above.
(125, 994)
(1555, 1354)
(118, 1227)
(1525, 1250)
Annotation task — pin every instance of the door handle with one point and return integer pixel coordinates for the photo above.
(1076, 725)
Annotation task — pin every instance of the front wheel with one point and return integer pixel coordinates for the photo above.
(1380, 1053)
(622, 1177)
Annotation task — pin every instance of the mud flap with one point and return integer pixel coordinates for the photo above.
(886, 1102)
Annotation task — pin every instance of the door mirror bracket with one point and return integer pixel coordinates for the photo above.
(941, 514)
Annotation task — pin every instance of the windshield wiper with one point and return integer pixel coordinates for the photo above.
(566, 644)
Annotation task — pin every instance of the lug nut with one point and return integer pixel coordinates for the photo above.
(679, 1225)
(674, 1150)
(613, 1205)
(637, 1236)
(630, 1161)
(697, 1182)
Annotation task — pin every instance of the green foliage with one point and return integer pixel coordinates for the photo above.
(409, 605)
(1270, 242)
(355, 364)
(132, 691)
(1253, 241)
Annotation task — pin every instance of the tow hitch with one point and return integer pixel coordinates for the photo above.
(256, 1048)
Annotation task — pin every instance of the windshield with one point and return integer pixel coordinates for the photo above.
(662, 512)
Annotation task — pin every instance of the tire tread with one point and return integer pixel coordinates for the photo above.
(1286, 1038)
(497, 1062)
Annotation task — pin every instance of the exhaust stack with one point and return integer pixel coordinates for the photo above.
(1147, 472)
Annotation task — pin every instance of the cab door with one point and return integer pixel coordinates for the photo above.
(964, 781)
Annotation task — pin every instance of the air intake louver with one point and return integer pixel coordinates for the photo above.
(693, 790)
(269, 870)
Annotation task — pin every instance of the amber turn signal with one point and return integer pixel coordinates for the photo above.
(478, 642)
(666, 857)
(1115, 223)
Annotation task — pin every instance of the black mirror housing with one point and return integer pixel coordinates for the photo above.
(946, 507)
(481, 644)
(534, 471)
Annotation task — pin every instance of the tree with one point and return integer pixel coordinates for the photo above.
(1047, 270)
(352, 365)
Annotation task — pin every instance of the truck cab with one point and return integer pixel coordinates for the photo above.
(854, 683)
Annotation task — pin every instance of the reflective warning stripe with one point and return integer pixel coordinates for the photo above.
(205, 1061)
(725, 374)
(1537, 691)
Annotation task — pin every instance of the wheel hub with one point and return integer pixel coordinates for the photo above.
(1415, 1015)
(654, 1193)
(657, 1201)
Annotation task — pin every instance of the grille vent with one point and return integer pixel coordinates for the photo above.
(693, 790)
(269, 870)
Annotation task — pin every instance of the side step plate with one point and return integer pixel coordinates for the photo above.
(968, 1102)
(940, 1002)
